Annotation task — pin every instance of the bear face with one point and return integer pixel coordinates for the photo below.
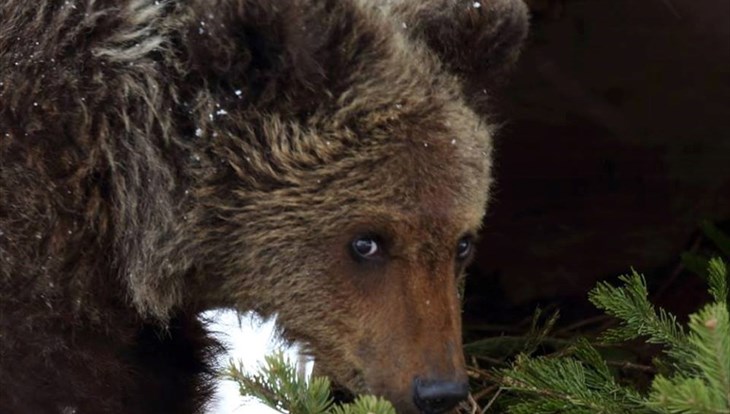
(372, 271)
(395, 265)
(325, 161)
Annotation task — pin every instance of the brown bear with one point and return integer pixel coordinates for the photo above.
(326, 161)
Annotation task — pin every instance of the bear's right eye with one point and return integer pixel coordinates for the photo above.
(366, 248)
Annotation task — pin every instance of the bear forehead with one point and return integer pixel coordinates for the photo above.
(442, 193)
(435, 181)
(443, 165)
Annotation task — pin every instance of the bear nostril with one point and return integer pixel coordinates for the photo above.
(434, 397)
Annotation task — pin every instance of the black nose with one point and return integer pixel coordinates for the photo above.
(434, 397)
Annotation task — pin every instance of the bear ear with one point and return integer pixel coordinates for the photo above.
(478, 40)
(276, 53)
(244, 45)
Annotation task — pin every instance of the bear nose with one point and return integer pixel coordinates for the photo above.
(438, 396)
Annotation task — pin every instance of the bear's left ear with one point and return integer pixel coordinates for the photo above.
(478, 40)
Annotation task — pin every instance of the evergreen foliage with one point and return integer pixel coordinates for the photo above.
(639, 318)
(708, 391)
(278, 385)
(580, 381)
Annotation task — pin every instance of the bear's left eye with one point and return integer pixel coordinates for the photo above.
(366, 247)
(463, 248)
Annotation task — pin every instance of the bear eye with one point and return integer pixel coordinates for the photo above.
(463, 248)
(366, 247)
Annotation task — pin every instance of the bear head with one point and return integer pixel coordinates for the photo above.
(344, 176)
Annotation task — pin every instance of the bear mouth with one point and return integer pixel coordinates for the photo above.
(341, 394)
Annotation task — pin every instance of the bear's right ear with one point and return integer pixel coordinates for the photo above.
(478, 40)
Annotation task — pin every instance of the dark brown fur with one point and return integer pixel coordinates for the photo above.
(159, 159)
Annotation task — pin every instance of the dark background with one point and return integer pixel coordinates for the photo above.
(615, 145)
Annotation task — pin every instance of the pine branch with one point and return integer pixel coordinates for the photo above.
(708, 392)
(718, 279)
(579, 380)
(278, 385)
(682, 395)
(366, 405)
(639, 318)
(579, 383)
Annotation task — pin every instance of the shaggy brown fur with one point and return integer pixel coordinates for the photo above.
(162, 158)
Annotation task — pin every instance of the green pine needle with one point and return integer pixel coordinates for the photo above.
(366, 405)
(578, 380)
(639, 318)
(718, 280)
(279, 386)
(708, 392)
(559, 385)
